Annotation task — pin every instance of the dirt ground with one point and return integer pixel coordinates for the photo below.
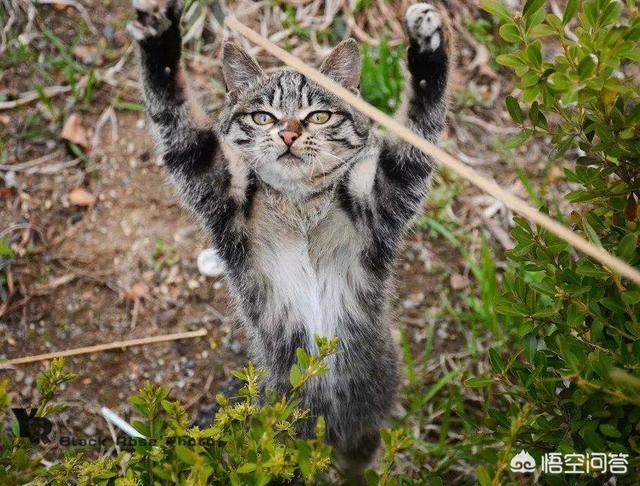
(118, 260)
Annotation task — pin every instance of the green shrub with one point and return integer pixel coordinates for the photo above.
(247, 444)
(576, 360)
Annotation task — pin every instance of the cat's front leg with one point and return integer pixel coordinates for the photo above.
(187, 140)
(184, 134)
(404, 169)
(157, 32)
(428, 57)
(387, 203)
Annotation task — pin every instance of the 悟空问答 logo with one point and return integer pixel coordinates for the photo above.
(523, 462)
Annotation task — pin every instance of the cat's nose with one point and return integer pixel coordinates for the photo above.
(289, 137)
(290, 131)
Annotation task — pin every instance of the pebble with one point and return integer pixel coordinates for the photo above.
(19, 375)
(235, 347)
(210, 264)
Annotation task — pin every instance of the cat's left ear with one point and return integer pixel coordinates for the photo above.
(343, 65)
(239, 69)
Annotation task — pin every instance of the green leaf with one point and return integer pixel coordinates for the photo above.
(610, 431)
(631, 297)
(591, 233)
(588, 269)
(530, 347)
(496, 361)
(627, 247)
(483, 476)
(542, 30)
(569, 11)
(610, 13)
(497, 8)
(518, 139)
(575, 318)
(185, 454)
(372, 477)
(510, 60)
(303, 357)
(5, 250)
(295, 375)
(246, 468)
(587, 66)
(478, 382)
(510, 33)
(514, 109)
(534, 53)
(559, 82)
(532, 6)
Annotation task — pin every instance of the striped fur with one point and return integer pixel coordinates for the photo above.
(309, 236)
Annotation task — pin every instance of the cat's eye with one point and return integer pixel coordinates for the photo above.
(263, 118)
(319, 117)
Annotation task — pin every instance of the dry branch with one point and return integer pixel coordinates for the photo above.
(105, 347)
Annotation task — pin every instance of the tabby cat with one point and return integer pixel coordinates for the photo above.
(306, 204)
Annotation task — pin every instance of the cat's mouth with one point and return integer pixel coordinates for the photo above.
(289, 155)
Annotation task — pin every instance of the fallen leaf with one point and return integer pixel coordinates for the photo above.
(137, 291)
(81, 197)
(7, 192)
(458, 282)
(88, 55)
(74, 132)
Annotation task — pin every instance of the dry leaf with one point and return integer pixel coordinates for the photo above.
(458, 282)
(81, 197)
(74, 132)
(7, 192)
(137, 291)
(88, 55)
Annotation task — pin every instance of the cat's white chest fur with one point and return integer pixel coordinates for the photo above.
(309, 258)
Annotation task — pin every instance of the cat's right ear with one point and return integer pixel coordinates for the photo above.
(343, 65)
(238, 68)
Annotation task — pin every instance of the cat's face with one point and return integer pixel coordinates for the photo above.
(297, 137)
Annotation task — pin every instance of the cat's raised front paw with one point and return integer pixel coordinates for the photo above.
(154, 18)
(424, 26)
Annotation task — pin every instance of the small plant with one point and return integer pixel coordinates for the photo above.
(381, 83)
(163, 256)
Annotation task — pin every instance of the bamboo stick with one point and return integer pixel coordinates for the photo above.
(486, 184)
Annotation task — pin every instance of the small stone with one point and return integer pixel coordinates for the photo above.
(235, 347)
(81, 197)
(210, 264)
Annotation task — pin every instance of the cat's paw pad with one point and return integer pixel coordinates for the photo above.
(424, 26)
(154, 18)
